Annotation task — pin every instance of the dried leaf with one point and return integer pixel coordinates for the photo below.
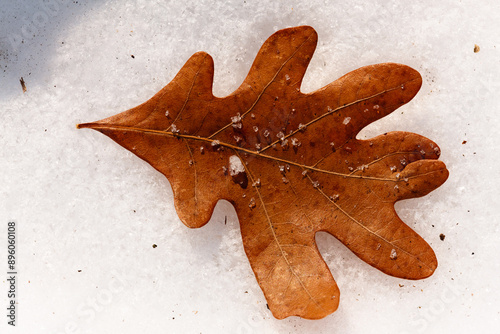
(23, 84)
(291, 165)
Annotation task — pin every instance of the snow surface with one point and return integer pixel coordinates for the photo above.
(89, 212)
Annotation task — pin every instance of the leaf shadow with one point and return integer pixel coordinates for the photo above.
(30, 34)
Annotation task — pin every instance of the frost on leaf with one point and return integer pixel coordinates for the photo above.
(394, 254)
(291, 165)
(235, 166)
(237, 171)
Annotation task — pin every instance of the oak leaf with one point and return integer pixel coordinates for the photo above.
(291, 165)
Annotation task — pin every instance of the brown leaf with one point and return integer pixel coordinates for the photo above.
(23, 85)
(291, 165)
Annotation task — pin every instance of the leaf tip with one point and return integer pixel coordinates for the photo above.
(428, 270)
(425, 268)
(85, 125)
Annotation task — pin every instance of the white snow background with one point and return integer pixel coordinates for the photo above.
(89, 211)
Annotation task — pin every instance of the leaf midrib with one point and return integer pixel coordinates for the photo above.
(97, 126)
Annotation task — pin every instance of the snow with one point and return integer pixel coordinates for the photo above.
(88, 211)
(296, 143)
(235, 166)
(394, 254)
